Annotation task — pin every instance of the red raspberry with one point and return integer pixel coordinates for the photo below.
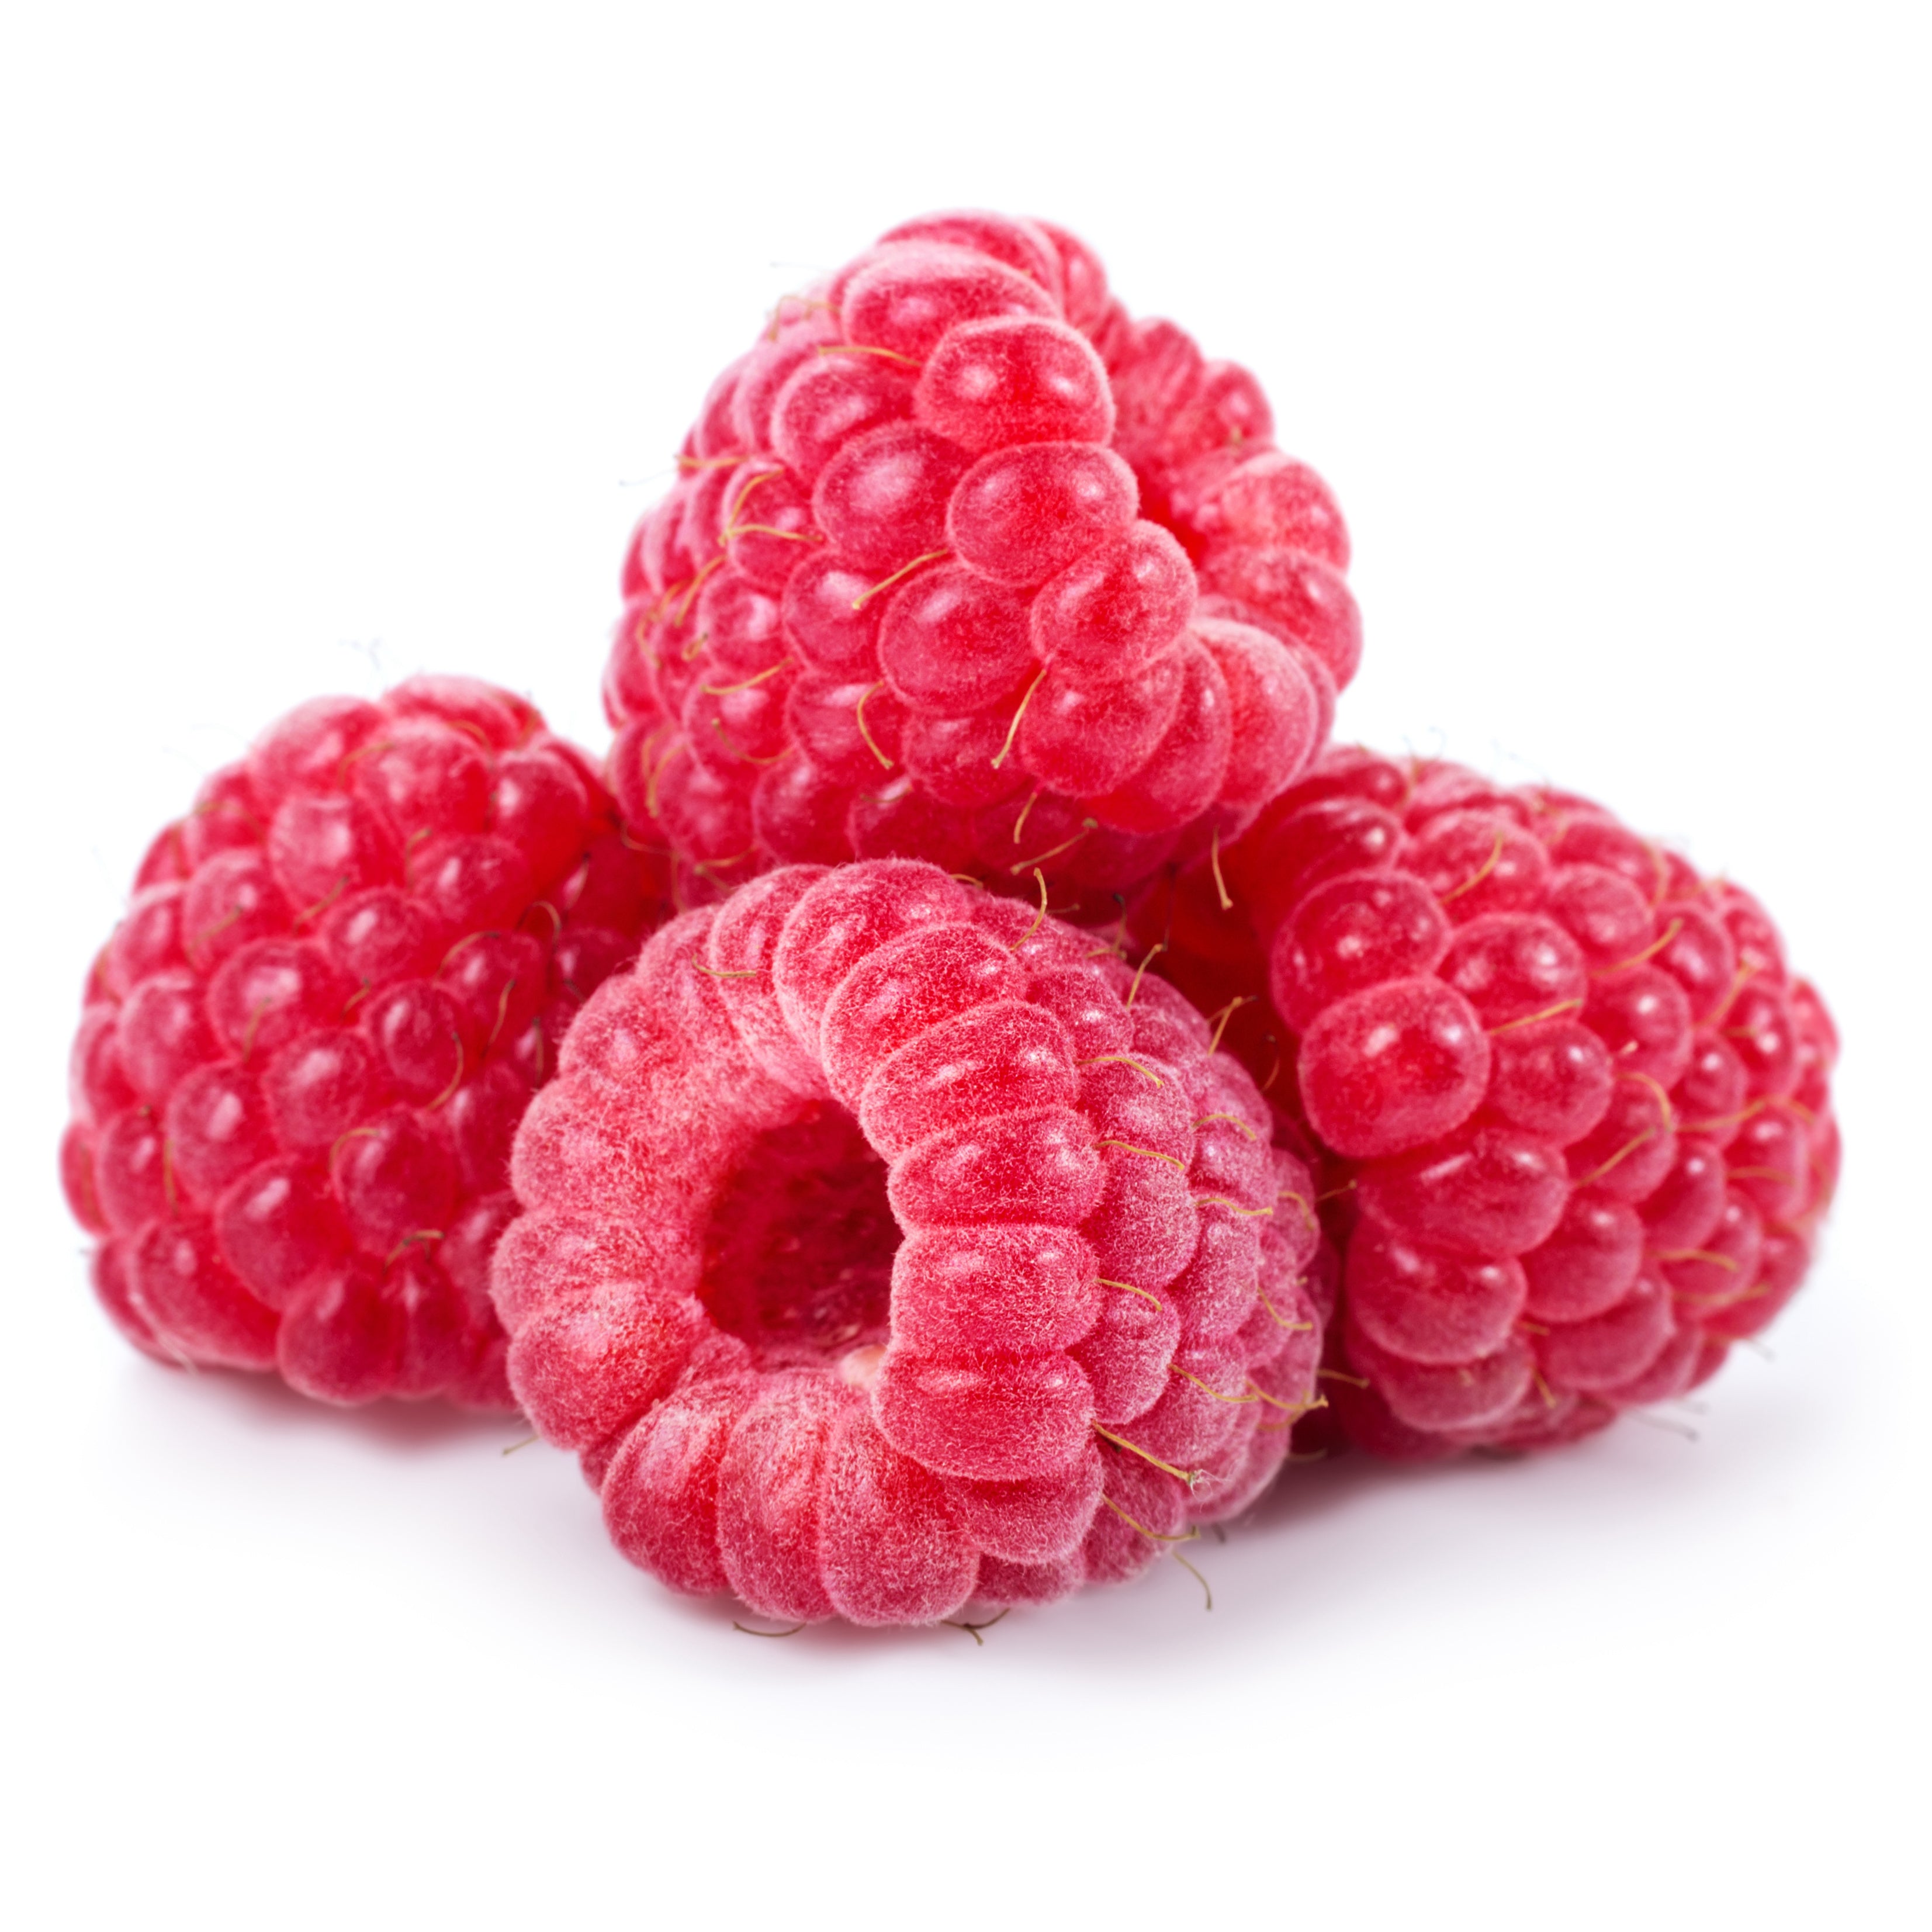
(964, 566)
(306, 1047)
(885, 1243)
(1571, 1112)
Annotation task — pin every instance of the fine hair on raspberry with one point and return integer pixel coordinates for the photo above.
(304, 1052)
(887, 1245)
(1570, 1107)
(964, 564)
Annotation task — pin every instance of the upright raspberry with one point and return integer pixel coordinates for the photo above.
(1571, 1109)
(886, 1244)
(965, 566)
(305, 1049)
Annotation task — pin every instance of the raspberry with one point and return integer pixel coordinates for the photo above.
(1571, 1112)
(884, 1244)
(305, 1049)
(964, 566)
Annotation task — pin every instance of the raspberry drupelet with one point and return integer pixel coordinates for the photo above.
(963, 565)
(306, 1047)
(886, 1244)
(1570, 1109)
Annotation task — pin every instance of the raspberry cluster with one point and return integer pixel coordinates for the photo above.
(306, 1047)
(963, 565)
(886, 1244)
(1570, 1109)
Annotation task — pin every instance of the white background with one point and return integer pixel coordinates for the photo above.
(336, 346)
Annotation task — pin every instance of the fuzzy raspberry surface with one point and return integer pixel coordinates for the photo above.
(303, 1051)
(965, 564)
(1569, 1108)
(886, 1244)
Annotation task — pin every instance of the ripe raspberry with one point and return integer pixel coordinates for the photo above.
(886, 1244)
(305, 1049)
(1571, 1112)
(964, 566)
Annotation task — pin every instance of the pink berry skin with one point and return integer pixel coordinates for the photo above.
(1040, 1520)
(956, 461)
(828, 625)
(782, 350)
(769, 1503)
(950, 1289)
(1022, 515)
(1308, 599)
(997, 1421)
(1428, 1307)
(1275, 717)
(1352, 933)
(907, 297)
(950, 642)
(1272, 500)
(305, 1051)
(1180, 778)
(812, 1268)
(1015, 379)
(881, 501)
(1392, 1068)
(891, 1550)
(1554, 1078)
(1084, 737)
(1118, 607)
(829, 399)
(1572, 1145)
(1588, 1262)
(1031, 247)
(660, 1493)
(1488, 1191)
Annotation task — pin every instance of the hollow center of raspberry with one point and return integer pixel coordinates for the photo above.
(799, 1254)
